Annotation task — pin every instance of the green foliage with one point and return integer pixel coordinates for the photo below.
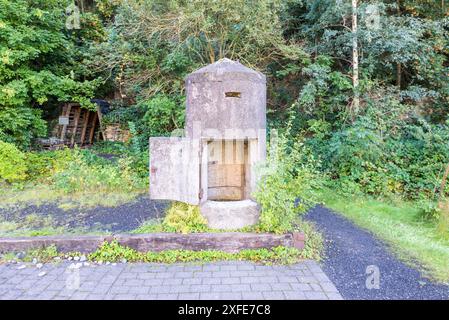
(287, 185)
(19, 125)
(170, 39)
(326, 92)
(114, 252)
(429, 209)
(163, 114)
(79, 176)
(13, 166)
(42, 254)
(109, 147)
(135, 143)
(75, 170)
(388, 150)
(37, 58)
(137, 155)
(43, 164)
(443, 219)
(314, 243)
(39, 164)
(184, 218)
(153, 45)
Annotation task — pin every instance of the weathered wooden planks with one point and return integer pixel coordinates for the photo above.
(83, 132)
(226, 170)
(81, 126)
(75, 126)
(226, 241)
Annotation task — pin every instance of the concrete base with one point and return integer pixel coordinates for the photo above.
(230, 215)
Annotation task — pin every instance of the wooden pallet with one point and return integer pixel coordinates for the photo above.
(82, 125)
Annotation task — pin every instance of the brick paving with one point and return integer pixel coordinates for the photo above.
(235, 280)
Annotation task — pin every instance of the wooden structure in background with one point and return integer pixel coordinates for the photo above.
(81, 126)
(114, 132)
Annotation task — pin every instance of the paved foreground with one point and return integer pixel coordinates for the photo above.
(222, 280)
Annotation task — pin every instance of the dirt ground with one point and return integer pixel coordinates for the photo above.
(121, 218)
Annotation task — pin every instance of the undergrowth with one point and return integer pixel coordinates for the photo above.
(180, 217)
(114, 252)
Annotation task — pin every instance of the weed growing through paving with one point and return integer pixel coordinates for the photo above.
(114, 252)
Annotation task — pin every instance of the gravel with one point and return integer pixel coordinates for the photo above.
(350, 250)
(122, 218)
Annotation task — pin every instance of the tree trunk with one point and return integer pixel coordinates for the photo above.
(398, 65)
(443, 183)
(355, 60)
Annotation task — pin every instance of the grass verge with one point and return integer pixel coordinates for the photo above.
(414, 240)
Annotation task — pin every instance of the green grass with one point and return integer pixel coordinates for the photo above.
(114, 252)
(413, 239)
(38, 194)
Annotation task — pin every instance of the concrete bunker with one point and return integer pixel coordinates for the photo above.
(214, 164)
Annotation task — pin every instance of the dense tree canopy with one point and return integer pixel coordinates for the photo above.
(39, 66)
(319, 62)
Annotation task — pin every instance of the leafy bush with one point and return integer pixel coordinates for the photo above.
(388, 150)
(13, 166)
(38, 73)
(20, 125)
(184, 218)
(179, 217)
(287, 185)
(42, 165)
(109, 147)
(78, 176)
(163, 114)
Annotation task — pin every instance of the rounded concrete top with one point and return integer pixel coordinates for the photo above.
(225, 69)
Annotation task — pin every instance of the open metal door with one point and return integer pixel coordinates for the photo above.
(175, 169)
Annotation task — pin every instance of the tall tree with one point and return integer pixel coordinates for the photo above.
(355, 60)
(38, 66)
